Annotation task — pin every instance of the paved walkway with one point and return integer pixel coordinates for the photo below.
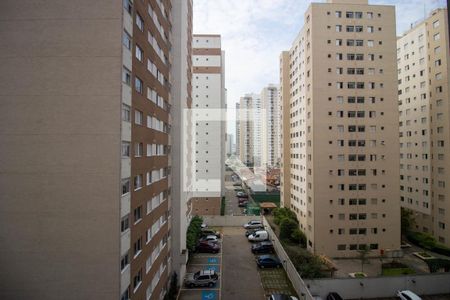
(231, 202)
(240, 277)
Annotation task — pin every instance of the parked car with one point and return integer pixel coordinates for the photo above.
(408, 295)
(201, 278)
(268, 261)
(334, 296)
(241, 195)
(237, 184)
(204, 225)
(281, 297)
(209, 231)
(209, 238)
(242, 203)
(263, 247)
(251, 231)
(258, 236)
(253, 224)
(208, 247)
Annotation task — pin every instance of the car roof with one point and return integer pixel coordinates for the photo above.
(265, 243)
(268, 256)
(254, 221)
(410, 294)
(207, 272)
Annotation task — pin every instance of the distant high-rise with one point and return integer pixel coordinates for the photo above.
(343, 150)
(238, 131)
(270, 120)
(250, 130)
(90, 208)
(423, 94)
(208, 90)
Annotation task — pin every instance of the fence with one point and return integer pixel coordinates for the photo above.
(297, 282)
(377, 287)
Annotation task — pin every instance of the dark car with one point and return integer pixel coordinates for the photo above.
(263, 247)
(252, 231)
(201, 278)
(208, 247)
(334, 296)
(209, 231)
(268, 261)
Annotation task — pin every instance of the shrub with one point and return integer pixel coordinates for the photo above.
(287, 227)
(297, 236)
(434, 264)
(193, 233)
(441, 249)
(281, 213)
(428, 242)
(307, 265)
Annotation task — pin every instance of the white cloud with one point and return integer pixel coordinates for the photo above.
(254, 32)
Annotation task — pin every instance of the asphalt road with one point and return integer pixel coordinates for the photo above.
(231, 202)
(240, 277)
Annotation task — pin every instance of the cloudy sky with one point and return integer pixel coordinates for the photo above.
(254, 32)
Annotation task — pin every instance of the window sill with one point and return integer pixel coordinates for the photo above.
(124, 269)
(137, 254)
(137, 287)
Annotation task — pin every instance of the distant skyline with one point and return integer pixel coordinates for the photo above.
(254, 32)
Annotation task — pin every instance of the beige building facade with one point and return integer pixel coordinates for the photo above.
(270, 120)
(423, 94)
(85, 164)
(208, 111)
(343, 154)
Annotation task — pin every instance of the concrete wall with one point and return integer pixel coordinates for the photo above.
(297, 282)
(351, 288)
(60, 105)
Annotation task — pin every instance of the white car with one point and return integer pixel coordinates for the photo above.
(408, 295)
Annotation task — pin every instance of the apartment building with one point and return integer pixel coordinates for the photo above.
(271, 144)
(423, 93)
(250, 130)
(238, 131)
(85, 175)
(285, 136)
(343, 148)
(209, 105)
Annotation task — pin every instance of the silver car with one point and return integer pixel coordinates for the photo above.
(201, 278)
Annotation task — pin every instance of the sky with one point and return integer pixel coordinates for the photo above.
(254, 32)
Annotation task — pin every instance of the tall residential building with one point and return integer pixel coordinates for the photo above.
(250, 130)
(85, 160)
(238, 132)
(271, 144)
(229, 144)
(423, 68)
(285, 135)
(208, 106)
(343, 121)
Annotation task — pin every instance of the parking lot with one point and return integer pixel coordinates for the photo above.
(239, 276)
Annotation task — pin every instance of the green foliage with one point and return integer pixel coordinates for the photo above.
(193, 233)
(397, 271)
(173, 288)
(287, 227)
(428, 242)
(307, 265)
(407, 220)
(282, 213)
(435, 264)
(297, 236)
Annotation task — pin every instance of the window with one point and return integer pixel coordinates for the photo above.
(436, 24)
(126, 113)
(358, 28)
(137, 280)
(138, 85)
(124, 223)
(437, 36)
(139, 53)
(137, 182)
(126, 40)
(370, 43)
(370, 15)
(137, 214)
(350, 28)
(124, 262)
(139, 22)
(370, 29)
(138, 117)
(338, 14)
(338, 28)
(125, 186)
(128, 5)
(349, 15)
(125, 149)
(358, 15)
(126, 76)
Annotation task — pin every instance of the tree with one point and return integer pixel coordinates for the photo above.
(281, 213)
(193, 233)
(287, 227)
(407, 220)
(299, 237)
